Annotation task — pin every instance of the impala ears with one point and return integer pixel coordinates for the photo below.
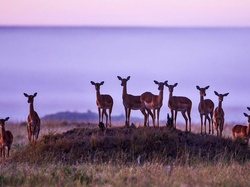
(128, 77)
(225, 94)
(92, 82)
(6, 119)
(35, 94)
(156, 82)
(216, 93)
(102, 83)
(26, 95)
(198, 88)
(175, 84)
(207, 87)
(248, 108)
(119, 78)
(245, 114)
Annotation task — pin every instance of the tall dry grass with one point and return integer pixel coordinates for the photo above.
(79, 154)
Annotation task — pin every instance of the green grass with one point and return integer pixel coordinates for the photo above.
(83, 155)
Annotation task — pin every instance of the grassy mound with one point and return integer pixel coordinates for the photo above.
(131, 145)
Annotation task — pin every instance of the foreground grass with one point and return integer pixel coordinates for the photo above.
(108, 174)
(127, 157)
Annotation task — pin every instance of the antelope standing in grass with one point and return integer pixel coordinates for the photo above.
(179, 103)
(6, 138)
(241, 130)
(131, 102)
(33, 126)
(154, 102)
(205, 108)
(103, 102)
(218, 116)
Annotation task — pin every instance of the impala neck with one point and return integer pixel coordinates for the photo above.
(160, 97)
(31, 108)
(98, 95)
(124, 91)
(202, 100)
(220, 105)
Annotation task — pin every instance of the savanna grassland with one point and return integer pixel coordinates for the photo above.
(81, 154)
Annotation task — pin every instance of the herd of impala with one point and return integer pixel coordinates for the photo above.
(148, 104)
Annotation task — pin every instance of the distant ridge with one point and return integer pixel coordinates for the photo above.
(88, 116)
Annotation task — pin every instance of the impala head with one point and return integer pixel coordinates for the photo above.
(220, 96)
(171, 87)
(161, 84)
(202, 90)
(97, 85)
(248, 116)
(2, 122)
(30, 97)
(123, 81)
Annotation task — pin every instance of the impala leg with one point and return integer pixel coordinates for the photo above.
(201, 123)
(126, 116)
(110, 111)
(129, 111)
(212, 122)
(153, 117)
(186, 119)
(189, 118)
(175, 117)
(99, 115)
(158, 116)
(145, 116)
(209, 124)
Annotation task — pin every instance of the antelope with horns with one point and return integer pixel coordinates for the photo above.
(241, 130)
(218, 116)
(33, 126)
(6, 138)
(103, 102)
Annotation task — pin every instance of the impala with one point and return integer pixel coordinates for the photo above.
(205, 108)
(154, 102)
(218, 116)
(241, 130)
(33, 126)
(6, 138)
(179, 103)
(131, 102)
(103, 102)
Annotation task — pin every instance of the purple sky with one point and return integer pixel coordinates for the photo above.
(126, 12)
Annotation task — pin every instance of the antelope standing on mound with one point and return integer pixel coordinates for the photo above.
(33, 126)
(241, 130)
(154, 102)
(205, 108)
(179, 103)
(131, 102)
(6, 138)
(218, 116)
(103, 102)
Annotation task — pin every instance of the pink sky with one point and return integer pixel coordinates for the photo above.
(126, 12)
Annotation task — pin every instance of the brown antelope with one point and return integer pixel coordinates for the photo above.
(103, 102)
(33, 126)
(154, 102)
(218, 116)
(205, 108)
(241, 130)
(6, 138)
(179, 103)
(131, 102)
